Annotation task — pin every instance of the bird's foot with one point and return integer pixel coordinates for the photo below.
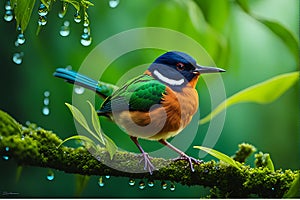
(190, 159)
(148, 166)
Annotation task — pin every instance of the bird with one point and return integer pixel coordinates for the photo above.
(155, 105)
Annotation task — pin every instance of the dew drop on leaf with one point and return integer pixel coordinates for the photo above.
(86, 39)
(46, 101)
(21, 38)
(77, 17)
(46, 93)
(8, 15)
(107, 176)
(63, 11)
(65, 29)
(43, 11)
(150, 183)
(8, 5)
(42, 21)
(5, 157)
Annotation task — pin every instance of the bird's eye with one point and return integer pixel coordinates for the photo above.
(180, 66)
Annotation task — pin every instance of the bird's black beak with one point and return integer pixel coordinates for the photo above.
(203, 69)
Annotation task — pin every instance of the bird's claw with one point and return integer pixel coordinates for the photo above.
(190, 159)
(148, 166)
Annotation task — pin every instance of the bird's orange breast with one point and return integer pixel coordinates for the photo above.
(164, 120)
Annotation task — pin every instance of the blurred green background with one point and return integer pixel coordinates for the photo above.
(246, 48)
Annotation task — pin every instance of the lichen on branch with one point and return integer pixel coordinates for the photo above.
(37, 147)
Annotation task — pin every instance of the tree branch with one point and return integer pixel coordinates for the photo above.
(38, 147)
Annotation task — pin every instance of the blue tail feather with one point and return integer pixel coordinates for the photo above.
(78, 79)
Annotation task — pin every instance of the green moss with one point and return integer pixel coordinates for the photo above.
(38, 147)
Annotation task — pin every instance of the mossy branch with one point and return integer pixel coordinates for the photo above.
(38, 147)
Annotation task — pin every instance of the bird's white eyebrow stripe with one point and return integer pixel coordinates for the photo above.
(168, 80)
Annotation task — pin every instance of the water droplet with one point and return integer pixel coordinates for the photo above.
(142, 185)
(65, 29)
(18, 58)
(131, 182)
(46, 111)
(100, 182)
(86, 39)
(107, 176)
(46, 93)
(8, 5)
(6, 148)
(42, 21)
(43, 11)
(21, 38)
(172, 187)
(77, 17)
(63, 12)
(150, 183)
(78, 90)
(5, 157)
(8, 16)
(113, 3)
(50, 175)
(164, 185)
(46, 101)
(272, 189)
(86, 22)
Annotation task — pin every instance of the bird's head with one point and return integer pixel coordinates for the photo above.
(177, 69)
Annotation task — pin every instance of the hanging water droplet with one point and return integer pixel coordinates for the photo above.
(42, 21)
(107, 176)
(77, 17)
(21, 38)
(8, 5)
(46, 93)
(5, 157)
(113, 3)
(46, 111)
(18, 58)
(100, 182)
(50, 175)
(65, 29)
(131, 182)
(8, 16)
(63, 11)
(172, 187)
(86, 23)
(46, 101)
(164, 185)
(150, 183)
(272, 189)
(142, 185)
(43, 11)
(86, 39)
(6, 148)
(78, 90)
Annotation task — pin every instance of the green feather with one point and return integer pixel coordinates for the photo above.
(141, 93)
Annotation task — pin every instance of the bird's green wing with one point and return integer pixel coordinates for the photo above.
(139, 94)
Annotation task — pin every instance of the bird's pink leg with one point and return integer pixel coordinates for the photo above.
(148, 165)
(183, 156)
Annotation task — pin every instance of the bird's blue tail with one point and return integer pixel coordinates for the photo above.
(82, 80)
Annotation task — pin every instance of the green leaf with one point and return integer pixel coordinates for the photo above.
(110, 146)
(220, 156)
(23, 10)
(95, 121)
(82, 121)
(269, 163)
(294, 191)
(74, 3)
(264, 92)
(79, 137)
(287, 37)
(244, 5)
